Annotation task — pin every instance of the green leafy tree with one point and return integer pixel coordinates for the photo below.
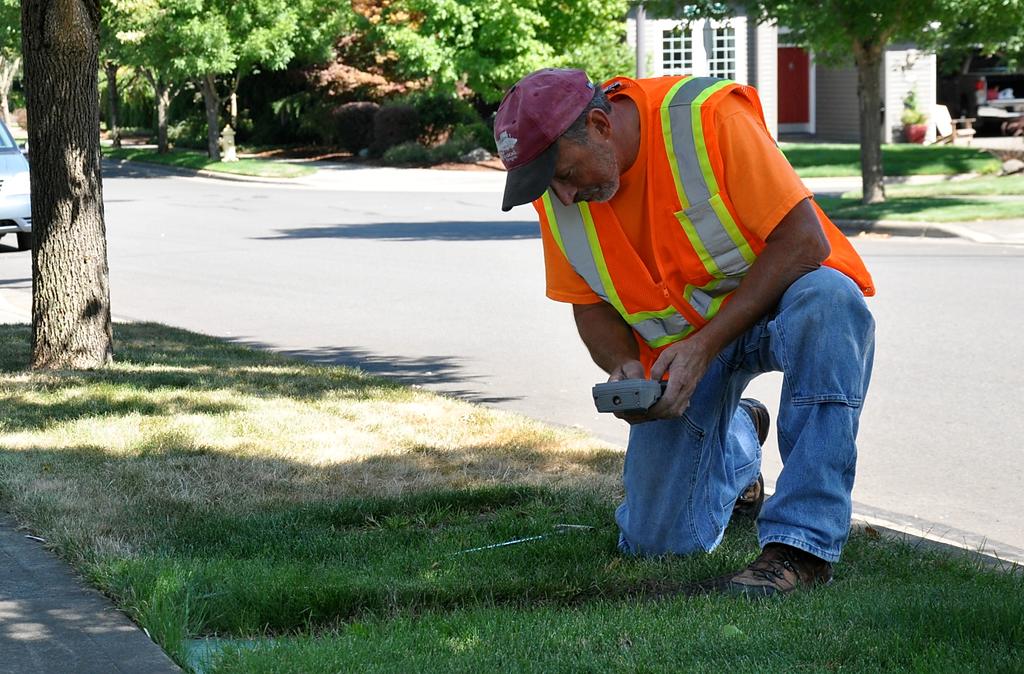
(116, 21)
(211, 42)
(487, 46)
(237, 36)
(146, 34)
(10, 52)
(972, 28)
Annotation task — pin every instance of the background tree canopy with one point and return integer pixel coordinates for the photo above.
(487, 46)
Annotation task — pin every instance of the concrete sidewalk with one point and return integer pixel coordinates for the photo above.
(50, 622)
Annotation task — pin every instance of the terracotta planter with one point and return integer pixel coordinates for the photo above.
(915, 133)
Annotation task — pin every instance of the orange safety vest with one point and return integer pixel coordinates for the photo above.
(701, 248)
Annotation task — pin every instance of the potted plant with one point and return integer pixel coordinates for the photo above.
(913, 120)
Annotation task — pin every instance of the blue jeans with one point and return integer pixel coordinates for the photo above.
(682, 476)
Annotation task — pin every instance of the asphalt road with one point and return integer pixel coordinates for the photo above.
(441, 289)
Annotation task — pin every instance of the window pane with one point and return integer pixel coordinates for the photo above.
(676, 51)
(722, 59)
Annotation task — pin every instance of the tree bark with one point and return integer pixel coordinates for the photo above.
(71, 326)
(212, 101)
(162, 92)
(8, 69)
(868, 58)
(113, 103)
(162, 95)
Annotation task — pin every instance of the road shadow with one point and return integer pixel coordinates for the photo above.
(436, 372)
(122, 168)
(416, 231)
(6, 247)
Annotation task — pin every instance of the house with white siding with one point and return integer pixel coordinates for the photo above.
(799, 96)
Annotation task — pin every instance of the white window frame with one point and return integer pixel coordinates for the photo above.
(726, 66)
(700, 33)
(677, 41)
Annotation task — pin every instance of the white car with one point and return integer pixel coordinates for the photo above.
(15, 205)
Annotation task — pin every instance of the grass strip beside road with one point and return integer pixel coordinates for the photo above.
(922, 209)
(986, 198)
(816, 160)
(199, 161)
(1012, 186)
(215, 490)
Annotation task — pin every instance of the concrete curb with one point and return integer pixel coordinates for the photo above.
(874, 529)
(203, 173)
(894, 228)
(942, 230)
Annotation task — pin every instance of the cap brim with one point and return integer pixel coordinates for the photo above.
(529, 181)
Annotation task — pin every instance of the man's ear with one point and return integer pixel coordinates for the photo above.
(600, 122)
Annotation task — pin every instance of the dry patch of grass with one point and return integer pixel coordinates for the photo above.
(183, 421)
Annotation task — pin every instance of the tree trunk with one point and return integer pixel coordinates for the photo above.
(162, 95)
(70, 292)
(8, 69)
(869, 94)
(113, 103)
(163, 102)
(212, 102)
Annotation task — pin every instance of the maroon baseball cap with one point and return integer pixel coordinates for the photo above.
(532, 115)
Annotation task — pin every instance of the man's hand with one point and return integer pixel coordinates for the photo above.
(685, 362)
(631, 369)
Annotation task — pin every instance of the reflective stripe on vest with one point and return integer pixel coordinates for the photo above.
(710, 228)
(573, 230)
(707, 222)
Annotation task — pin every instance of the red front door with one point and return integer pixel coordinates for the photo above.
(794, 67)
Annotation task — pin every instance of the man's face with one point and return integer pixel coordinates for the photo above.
(585, 171)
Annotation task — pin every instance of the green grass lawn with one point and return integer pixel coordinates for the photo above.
(985, 198)
(1012, 185)
(316, 514)
(1008, 185)
(815, 160)
(198, 160)
(922, 209)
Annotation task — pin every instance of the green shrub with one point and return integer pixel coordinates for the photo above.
(407, 154)
(352, 125)
(448, 152)
(480, 135)
(439, 113)
(417, 154)
(303, 115)
(394, 125)
(189, 132)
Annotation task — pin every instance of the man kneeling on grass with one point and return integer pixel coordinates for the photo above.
(691, 252)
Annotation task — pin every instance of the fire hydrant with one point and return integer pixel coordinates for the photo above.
(227, 144)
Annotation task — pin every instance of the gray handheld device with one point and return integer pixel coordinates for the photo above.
(630, 396)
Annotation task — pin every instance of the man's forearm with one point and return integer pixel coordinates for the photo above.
(608, 338)
(796, 247)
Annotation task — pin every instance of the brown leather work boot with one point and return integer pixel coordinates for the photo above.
(779, 569)
(749, 503)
